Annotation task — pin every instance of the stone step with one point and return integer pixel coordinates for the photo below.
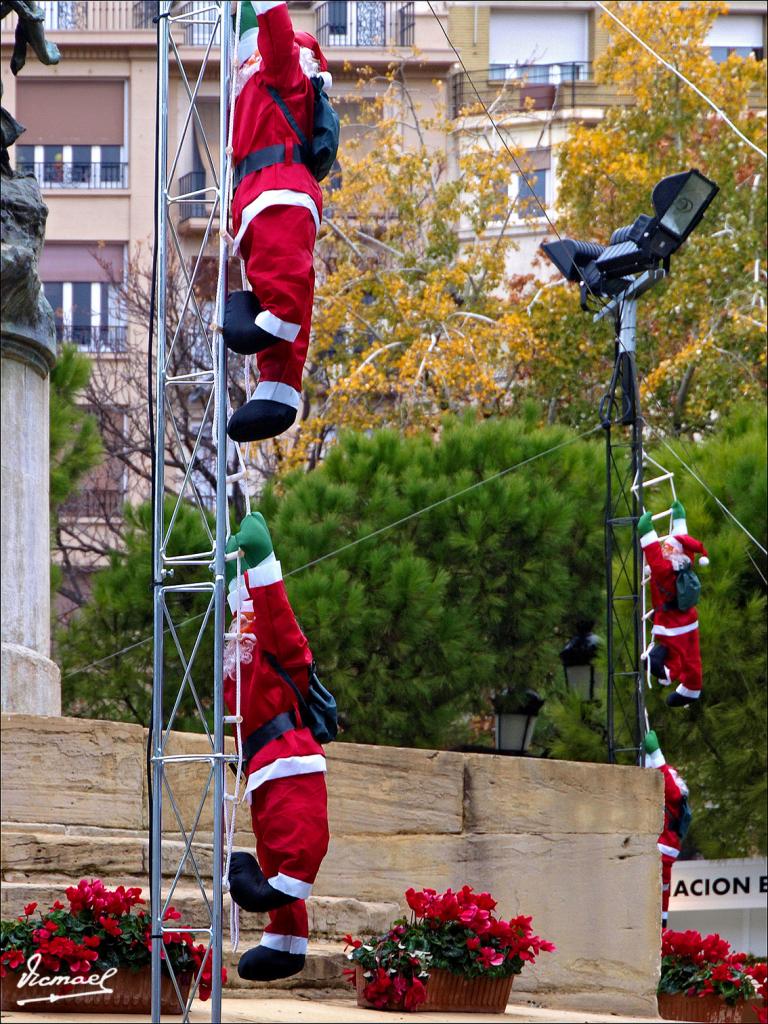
(330, 917)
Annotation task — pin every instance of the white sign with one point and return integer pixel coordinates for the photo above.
(719, 884)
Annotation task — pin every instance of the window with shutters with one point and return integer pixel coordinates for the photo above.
(544, 46)
(742, 34)
(82, 284)
(76, 133)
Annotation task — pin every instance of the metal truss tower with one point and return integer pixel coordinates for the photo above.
(622, 420)
(187, 788)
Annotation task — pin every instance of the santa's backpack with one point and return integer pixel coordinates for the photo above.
(320, 154)
(687, 591)
(318, 713)
(683, 821)
(687, 588)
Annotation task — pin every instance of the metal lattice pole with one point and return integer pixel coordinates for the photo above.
(622, 420)
(192, 43)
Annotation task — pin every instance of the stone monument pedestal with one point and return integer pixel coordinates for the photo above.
(30, 680)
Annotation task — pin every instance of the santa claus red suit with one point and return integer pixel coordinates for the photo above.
(285, 765)
(675, 655)
(675, 818)
(276, 212)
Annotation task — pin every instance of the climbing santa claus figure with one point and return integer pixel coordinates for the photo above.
(677, 817)
(286, 714)
(675, 588)
(284, 141)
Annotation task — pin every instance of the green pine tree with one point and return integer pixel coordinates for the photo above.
(118, 617)
(719, 745)
(75, 442)
(415, 628)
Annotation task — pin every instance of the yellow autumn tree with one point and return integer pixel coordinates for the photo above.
(411, 320)
(701, 335)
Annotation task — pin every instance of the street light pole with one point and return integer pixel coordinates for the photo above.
(622, 421)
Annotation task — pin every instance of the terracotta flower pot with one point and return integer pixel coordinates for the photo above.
(706, 1009)
(131, 993)
(448, 992)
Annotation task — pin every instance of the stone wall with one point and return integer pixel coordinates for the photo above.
(571, 844)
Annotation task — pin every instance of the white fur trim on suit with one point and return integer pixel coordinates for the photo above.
(239, 599)
(655, 760)
(284, 943)
(276, 391)
(675, 630)
(267, 572)
(283, 768)
(685, 692)
(292, 886)
(670, 851)
(648, 538)
(262, 6)
(275, 197)
(272, 324)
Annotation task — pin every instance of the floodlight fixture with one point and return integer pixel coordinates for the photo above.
(679, 202)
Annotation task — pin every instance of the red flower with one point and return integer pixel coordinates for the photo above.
(110, 926)
(58, 905)
(349, 941)
(12, 958)
(415, 995)
(473, 942)
(420, 902)
(722, 972)
(92, 941)
(490, 957)
(30, 909)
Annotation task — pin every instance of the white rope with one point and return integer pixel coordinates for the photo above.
(721, 114)
(248, 389)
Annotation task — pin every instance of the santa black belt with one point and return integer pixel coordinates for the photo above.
(271, 730)
(268, 156)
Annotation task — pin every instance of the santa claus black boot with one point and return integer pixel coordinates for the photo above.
(249, 888)
(678, 700)
(240, 332)
(259, 419)
(264, 964)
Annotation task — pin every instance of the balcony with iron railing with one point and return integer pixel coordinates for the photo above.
(513, 87)
(373, 23)
(93, 503)
(99, 16)
(94, 338)
(193, 184)
(86, 176)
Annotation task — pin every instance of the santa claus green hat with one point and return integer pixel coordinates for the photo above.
(653, 755)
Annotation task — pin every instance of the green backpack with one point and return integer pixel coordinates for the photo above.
(320, 154)
(687, 591)
(687, 588)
